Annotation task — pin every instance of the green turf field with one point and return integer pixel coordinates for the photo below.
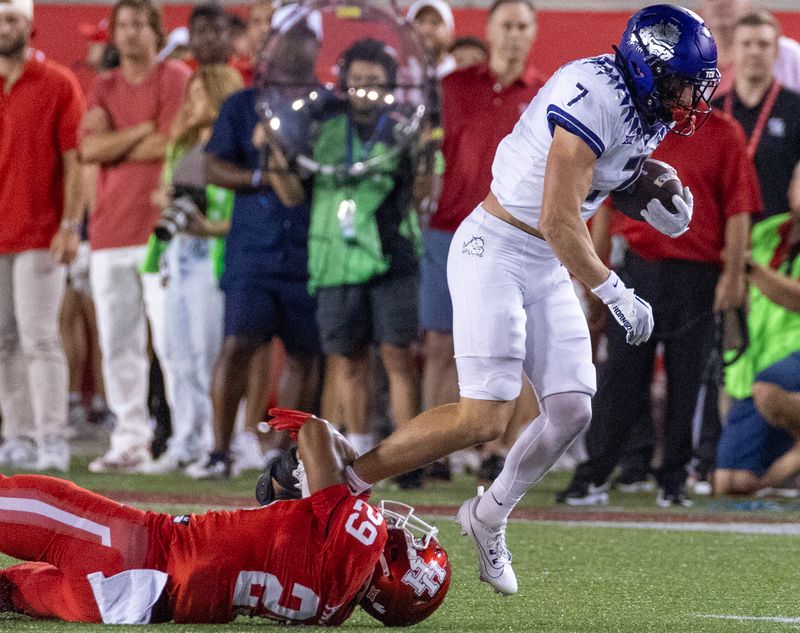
(573, 577)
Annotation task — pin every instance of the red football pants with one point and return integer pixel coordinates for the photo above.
(68, 532)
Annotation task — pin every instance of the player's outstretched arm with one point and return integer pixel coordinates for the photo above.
(325, 454)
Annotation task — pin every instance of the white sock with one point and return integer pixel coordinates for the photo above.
(537, 448)
(498, 501)
(361, 442)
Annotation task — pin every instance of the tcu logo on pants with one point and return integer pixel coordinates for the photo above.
(424, 577)
(253, 587)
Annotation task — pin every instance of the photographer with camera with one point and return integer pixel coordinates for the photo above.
(364, 242)
(187, 249)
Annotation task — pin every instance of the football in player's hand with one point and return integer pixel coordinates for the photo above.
(656, 180)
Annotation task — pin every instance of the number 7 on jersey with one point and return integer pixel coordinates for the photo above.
(583, 92)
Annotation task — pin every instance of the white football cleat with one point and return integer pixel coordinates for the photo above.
(494, 559)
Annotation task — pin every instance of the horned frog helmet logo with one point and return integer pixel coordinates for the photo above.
(659, 39)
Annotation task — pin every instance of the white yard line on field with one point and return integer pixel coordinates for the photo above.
(776, 529)
(751, 618)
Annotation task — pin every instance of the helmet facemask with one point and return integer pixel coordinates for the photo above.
(399, 515)
(684, 103)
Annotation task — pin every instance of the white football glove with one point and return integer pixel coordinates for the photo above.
(666, 222)
(631, 311)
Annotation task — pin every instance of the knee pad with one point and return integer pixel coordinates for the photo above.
(571, 411)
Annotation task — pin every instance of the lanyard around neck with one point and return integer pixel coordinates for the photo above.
(766, 109)
(366, 147)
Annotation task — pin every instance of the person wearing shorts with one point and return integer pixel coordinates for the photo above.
(365, 275)
(753, 452)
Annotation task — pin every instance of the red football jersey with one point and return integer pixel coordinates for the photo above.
(301, 561)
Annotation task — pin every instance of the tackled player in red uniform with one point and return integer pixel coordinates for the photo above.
(306, 561)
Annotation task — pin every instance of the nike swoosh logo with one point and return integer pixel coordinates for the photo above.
(495, 499)
(488, 567)
(614, 285)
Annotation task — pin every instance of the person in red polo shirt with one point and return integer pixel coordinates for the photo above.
(125, 131)
(41, 106)
(686, 280)
(480, 106)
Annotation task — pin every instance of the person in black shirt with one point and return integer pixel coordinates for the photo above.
(768, 112)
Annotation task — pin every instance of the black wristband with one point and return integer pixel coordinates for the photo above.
(749, 267)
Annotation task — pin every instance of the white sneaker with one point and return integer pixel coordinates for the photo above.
(699, 487)
(54, 454)
(18, 453)
(166, 463)
(782, 493)
(494, 559)
(593, 496)
(214, 466)
(129, 460)
(247, 452)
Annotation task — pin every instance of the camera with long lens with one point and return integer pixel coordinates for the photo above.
(186, 200)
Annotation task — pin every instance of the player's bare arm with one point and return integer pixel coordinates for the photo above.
(324, 452)
(567, 180)
(319, 461)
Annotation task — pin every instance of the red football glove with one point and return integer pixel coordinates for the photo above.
(288, 420)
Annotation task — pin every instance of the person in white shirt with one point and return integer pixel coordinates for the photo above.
(433, 21)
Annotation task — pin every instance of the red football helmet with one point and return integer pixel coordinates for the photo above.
(412, 576)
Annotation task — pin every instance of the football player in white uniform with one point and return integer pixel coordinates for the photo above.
(586, 133)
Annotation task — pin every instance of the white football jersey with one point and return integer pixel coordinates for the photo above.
(589, 98)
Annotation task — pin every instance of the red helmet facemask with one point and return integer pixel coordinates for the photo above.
(686, 102)
(412, 576)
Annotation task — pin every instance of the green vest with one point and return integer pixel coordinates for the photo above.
(336, 259)
(774, 331)
(219, 207)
